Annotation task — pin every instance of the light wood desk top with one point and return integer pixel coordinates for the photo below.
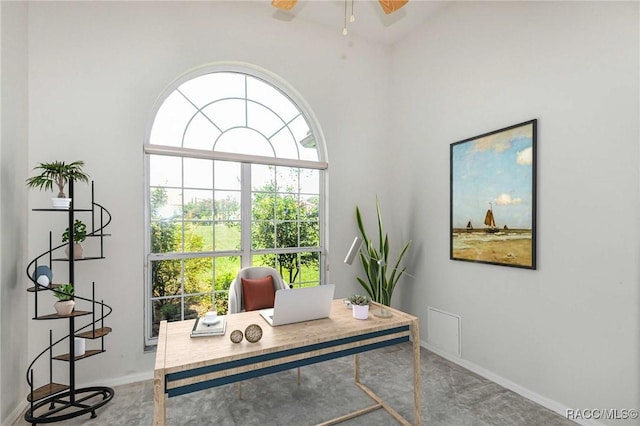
(185, 364)
(179, 351)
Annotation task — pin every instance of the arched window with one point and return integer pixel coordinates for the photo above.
(235, 177)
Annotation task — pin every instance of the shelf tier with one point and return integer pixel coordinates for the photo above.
(64, 259)
(95, 334)
(87, 354)
(42, 288)
(56, 316)
(45, 391)
(61, 210)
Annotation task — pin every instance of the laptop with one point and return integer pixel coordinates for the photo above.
(300, 304)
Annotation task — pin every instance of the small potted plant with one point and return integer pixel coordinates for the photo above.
(65, 303)
(360, 306)
(79, 235)
(58, 173)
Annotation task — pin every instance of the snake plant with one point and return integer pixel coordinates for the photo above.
(381, 279)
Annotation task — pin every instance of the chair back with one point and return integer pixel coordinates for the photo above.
(236, 303)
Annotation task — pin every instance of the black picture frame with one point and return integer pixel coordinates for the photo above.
(493, 197)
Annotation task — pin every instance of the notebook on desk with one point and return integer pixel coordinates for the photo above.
(300, 304)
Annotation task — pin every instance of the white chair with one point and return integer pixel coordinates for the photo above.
(236, 301)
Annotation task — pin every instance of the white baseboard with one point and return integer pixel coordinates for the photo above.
(123, 380)
(18, 412)
(520, 390)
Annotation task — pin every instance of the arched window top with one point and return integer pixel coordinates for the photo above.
(231, 110)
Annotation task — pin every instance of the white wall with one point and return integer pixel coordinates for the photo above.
(569, 331)
(95, 70)
(13, 206)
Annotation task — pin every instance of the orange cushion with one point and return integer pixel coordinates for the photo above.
(258, 293)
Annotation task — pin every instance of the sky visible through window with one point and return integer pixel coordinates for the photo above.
(226, 112)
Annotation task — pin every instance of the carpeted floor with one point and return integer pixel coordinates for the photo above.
(451, 396)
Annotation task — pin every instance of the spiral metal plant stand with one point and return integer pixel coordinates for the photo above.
(52, 402)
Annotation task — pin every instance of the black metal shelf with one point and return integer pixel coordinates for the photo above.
(55, 402)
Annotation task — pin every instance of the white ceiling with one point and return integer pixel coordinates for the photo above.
(370, 20)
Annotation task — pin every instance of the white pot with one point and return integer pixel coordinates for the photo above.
(77, 251)
(61, 203)
(360, 311)
(64, 307)
(78, 346)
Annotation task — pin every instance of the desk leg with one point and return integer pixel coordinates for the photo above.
(159, 399)
(417, 393)
(356, 368)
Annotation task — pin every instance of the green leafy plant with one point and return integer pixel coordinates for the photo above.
(79, 232)
(64, 292)
(58, 173)
(358, 299)
(381, 279)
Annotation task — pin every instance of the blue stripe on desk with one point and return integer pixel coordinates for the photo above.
(281, 367)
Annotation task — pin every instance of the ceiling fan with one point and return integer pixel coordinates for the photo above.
(388, 6)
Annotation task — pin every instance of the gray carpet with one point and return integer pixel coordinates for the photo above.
(451, 395)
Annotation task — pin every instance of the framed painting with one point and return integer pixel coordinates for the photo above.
(493, 197)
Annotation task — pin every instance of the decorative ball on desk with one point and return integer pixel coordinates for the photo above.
(236, 336)
(253, 333)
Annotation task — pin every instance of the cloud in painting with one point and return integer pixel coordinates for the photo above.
(506, 200)
(525, 157)
(501, 141)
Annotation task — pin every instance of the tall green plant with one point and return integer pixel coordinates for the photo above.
(380, 280)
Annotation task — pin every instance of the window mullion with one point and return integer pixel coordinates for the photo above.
(245, 222)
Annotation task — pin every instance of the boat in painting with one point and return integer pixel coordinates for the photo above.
(490, 221)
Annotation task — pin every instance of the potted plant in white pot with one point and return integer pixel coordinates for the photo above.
(79, 235)
(360, 306)
(65, 303)
(58, 173)
(381, 275)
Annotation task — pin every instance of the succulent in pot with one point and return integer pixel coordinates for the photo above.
(360, 306)
(359, 300)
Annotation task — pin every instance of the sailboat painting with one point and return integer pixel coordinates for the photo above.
(493, 197)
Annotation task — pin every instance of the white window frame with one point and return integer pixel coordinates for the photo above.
(247, 160)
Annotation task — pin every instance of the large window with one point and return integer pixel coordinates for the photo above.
(235, 178)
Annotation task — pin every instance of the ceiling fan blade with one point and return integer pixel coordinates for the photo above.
(390, 6)
(284, 4)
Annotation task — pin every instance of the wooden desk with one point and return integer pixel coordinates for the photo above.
(185, 365)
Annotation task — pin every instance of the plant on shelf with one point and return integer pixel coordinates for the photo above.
(79, 235)
(58, 173)
(360, 306)
(65, 303)
(381, 279)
